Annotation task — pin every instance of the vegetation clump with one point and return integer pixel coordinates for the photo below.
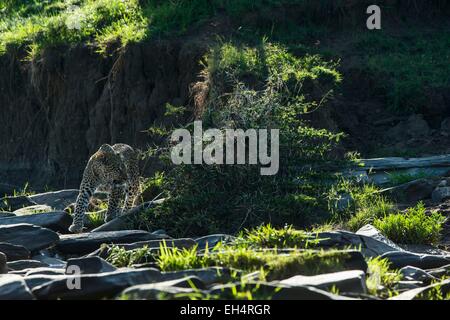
(414, 226)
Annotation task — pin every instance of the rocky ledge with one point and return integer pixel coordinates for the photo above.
(39, 259)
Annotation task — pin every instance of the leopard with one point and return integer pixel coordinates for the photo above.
(114, 168)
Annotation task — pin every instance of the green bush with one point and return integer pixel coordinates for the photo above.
(205, 199)
(412, 227)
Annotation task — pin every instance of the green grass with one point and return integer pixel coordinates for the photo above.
(396, 179)
(277, 266)
(407, 64)
(266, 236)
(381, 278)
(366, 205)
(412, 227)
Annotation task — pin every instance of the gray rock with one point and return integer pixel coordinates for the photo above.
(31, 237)
(402, 286)
(344, 202)
(13, 287)
(440, 194)
(370, 231)
(276, 291)
(53, 262)
(38, 208)
(440, 272)
(36, 280)
(5, 214)
(84, 243)
(57, 200)
(344, 281)
(25, 264)
(158, 290)
(56, 221)
(208, 276)
(371, 246)
(3, 266)
(419, 293)
(44, 271)
(14, 203)
(160, 232)
(415, 274)
(96, 286)
(412, 191)
(211, 240)
(90, 265)
(423, 261)
(14, 252)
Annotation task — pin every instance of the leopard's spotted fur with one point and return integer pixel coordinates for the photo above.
(115, 167)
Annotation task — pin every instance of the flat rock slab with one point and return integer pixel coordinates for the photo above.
(14, 203)
(208, 276)
(32, 237)
(89, 265)
(57, 200)
(53, 262)
(56, 221)
(371, 245)
(38, 208)
(14, 252)
(346, 281)
(96, 286)
(277, 291)
(25, 264)
(13, 287)
(410, 273)
(210, 241)
(423, 261)
(84, 243)
(152, 291)
(419, 293)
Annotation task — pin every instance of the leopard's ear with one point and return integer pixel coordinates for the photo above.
(106, 148)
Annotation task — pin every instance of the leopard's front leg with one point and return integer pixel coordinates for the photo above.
(132, 192)
(86, 192)
(114, 202)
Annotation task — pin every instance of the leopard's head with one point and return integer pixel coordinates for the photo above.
(108, 166)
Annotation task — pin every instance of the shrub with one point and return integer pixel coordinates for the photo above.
(204, 199)
(412, 227)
